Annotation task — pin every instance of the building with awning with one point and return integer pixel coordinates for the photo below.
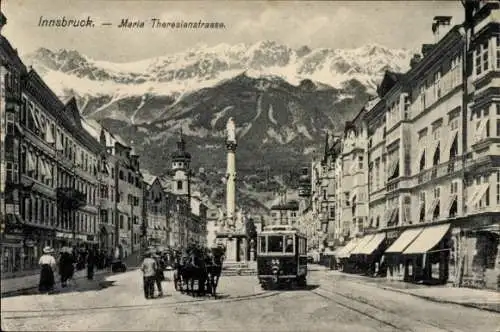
(371, 247)
(404, 240)
(345, 252)
(428, 238)
(363, 242)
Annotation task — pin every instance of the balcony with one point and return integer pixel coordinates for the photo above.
(70, 199)
(439, 171)
(435, 93)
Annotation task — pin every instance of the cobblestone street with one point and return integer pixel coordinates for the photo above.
(331, 302)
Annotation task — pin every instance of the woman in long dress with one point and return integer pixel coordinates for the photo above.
(47, 266)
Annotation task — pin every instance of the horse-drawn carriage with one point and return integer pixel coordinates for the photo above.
(198, 266)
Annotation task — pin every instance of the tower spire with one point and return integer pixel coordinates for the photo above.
(181, 144)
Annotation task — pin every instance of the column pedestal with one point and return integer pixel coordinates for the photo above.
(234, 246)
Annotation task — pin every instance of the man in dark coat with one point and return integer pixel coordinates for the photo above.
(90, 264)
(159, 276)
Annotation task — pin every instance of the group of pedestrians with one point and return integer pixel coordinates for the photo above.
(152, 268)
(68, 261)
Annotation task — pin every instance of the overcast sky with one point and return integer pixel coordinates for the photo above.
(336, 24)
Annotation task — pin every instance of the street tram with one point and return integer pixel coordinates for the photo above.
(281, 257)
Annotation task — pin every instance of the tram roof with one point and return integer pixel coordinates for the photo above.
(281, 230)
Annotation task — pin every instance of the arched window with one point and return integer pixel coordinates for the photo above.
(179, 185)
(454, 148)
(422, 161)
(436, 159)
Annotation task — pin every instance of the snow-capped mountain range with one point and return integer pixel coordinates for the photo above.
(69, 72)
(283, 100)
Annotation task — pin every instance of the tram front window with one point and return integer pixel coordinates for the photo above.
(275, 243)
(263, 247)
(289, 244)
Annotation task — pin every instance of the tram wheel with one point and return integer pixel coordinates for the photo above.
(302, 282)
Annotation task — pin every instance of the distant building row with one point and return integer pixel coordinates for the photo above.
(68, 181)
(412, 188)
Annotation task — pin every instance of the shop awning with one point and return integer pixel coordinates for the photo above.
(477, 195)
(404, 240)
(346, 251)
(362, 243)
(373, 244)
(427, 239)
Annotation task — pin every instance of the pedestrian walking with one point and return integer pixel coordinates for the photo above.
(159, 276)
(47, 264)
(66, 266)
(149, 273)
(90, 264)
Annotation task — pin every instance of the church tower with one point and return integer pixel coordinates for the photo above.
(181, 160)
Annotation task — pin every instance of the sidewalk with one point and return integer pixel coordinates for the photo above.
(477, 298)
(13, 285)
(18, 284)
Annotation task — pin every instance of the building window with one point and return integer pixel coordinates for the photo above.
(422, 161)
(498, 187)
(360, 162)
(179, 185)
(121, 222)
(498, 51)
(498, 127)
(12, 170)
(437, 193)
(481, 58)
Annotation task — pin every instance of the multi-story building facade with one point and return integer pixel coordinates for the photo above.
(158, 205)
(121, 192)
(215, 216)
(323, 196)
(433, 167)
(199, 213)
(175, 217)
(50, 187)
(284, 213)
(58, 184)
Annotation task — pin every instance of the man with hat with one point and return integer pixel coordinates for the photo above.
(148, 269)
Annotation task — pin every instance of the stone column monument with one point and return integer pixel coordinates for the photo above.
(230, 235)
(231, 174)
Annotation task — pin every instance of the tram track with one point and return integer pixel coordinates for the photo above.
(383, 316)
(61, 312)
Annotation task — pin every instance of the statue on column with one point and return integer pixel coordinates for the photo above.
(231, 130)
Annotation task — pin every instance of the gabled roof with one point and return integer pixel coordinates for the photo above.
(390, 79)
(71, 109)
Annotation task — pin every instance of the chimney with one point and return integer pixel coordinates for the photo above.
(440, 26)
(416, 59)
(3, 21)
